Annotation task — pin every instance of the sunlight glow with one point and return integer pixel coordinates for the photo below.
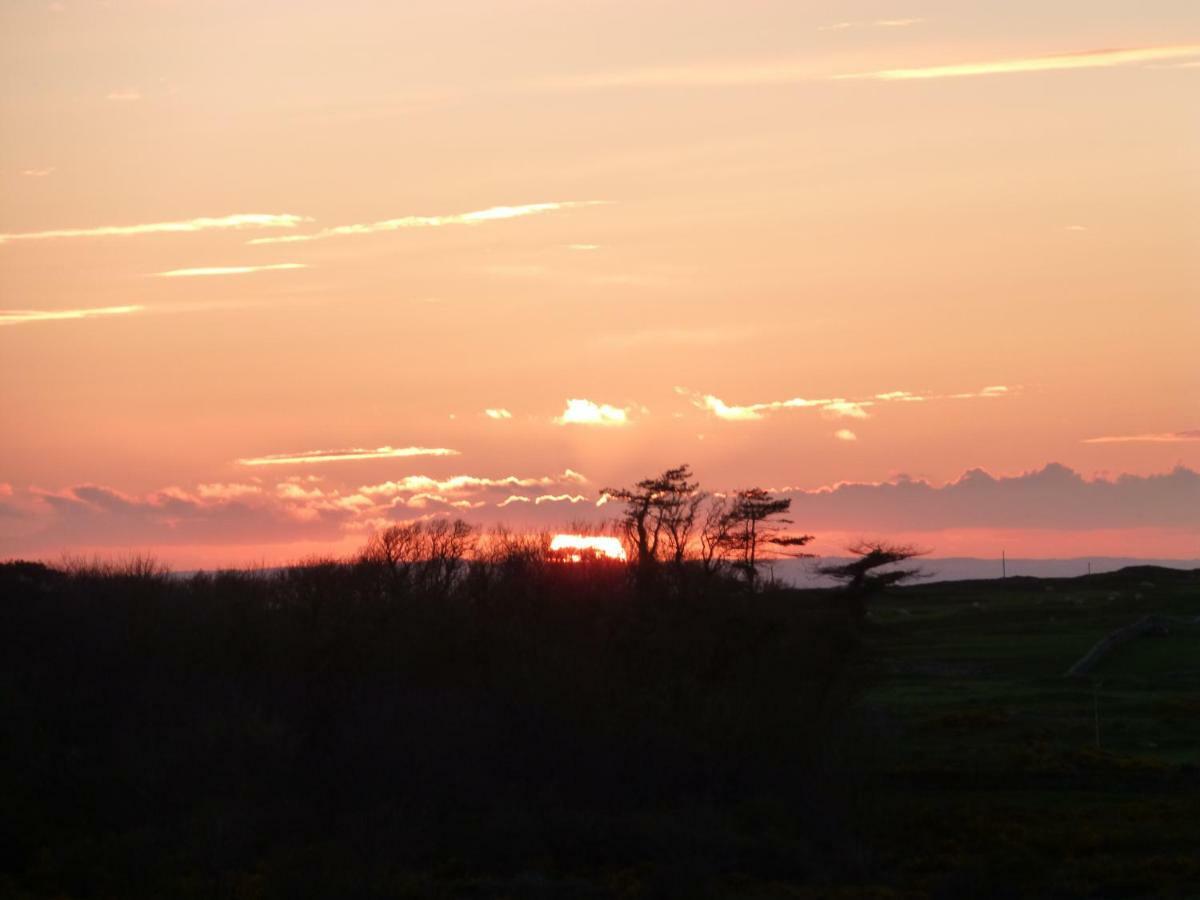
(575, 547)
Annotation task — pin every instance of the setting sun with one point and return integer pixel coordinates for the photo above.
(576, 548)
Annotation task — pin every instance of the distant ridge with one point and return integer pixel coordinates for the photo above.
(965, 568)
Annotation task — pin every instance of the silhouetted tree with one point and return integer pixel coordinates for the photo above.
(714, 535)
(753, 521)
(859, 577)
(660, 515)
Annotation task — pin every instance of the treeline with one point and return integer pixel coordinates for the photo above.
(448, 711)
(672, 531)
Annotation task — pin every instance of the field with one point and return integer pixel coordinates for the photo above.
(540, 730)
(1000, 777)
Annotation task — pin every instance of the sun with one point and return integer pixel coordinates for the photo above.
(577, 547)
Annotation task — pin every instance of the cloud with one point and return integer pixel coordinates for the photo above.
(38, 173)
(126, 96)
(309, 457)
(226, 491)
(848, 408)
(877, 23)
(204, 223)
(845, 434)
(831, 408)
(455, 484)
(227, 270)
(1088, 59)
(26, 316)
(1167, 437)
(492, 214)
(99, 516)
(752, 73)
(497, 413)
(586, 412)
(1050, 499)
(1053, 497)
(583, 247)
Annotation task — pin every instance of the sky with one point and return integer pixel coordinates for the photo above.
(276, 273)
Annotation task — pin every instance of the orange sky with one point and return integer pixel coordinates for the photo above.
(794, 244)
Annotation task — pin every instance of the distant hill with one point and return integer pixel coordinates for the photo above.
(963, 568)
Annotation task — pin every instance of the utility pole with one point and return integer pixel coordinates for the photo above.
(1003, 565)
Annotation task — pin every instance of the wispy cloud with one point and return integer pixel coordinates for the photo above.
(476, 217)
(732, 413)
(587, 412)
(1087, 59)
(876, 23)
(1165, 437)
(203, 223)
(125, 96)
(26, 316)
(845, 434)
(497, 413)
(464, 485)
(832, 407)
(308, 457)
(227, 270)
(38, 173)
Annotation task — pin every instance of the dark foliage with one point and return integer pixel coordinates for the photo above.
(873, 570)
(383, 727)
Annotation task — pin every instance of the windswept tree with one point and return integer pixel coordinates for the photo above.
(861, 577)
(660, 515)
(754, 523)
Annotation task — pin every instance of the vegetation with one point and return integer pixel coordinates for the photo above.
(458, 714)
(413, 723)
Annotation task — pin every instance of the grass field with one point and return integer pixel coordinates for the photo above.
(1000, 777)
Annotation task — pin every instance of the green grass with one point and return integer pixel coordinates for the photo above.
(1002, 777)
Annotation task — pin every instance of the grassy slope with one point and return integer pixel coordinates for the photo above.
(994, 782)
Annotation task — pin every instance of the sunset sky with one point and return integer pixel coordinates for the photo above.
(276, 272)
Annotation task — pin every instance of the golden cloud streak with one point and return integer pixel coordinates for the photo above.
(491, 214)
(325, 456)
(1167, 437)
(1088, 59)
(24, 316)
(835, 407)
(237, 221)
(227, 270)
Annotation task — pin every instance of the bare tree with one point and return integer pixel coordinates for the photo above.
(714, 535)
(447, 545)
(396, 547)
(428, 555)
(754, 521)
